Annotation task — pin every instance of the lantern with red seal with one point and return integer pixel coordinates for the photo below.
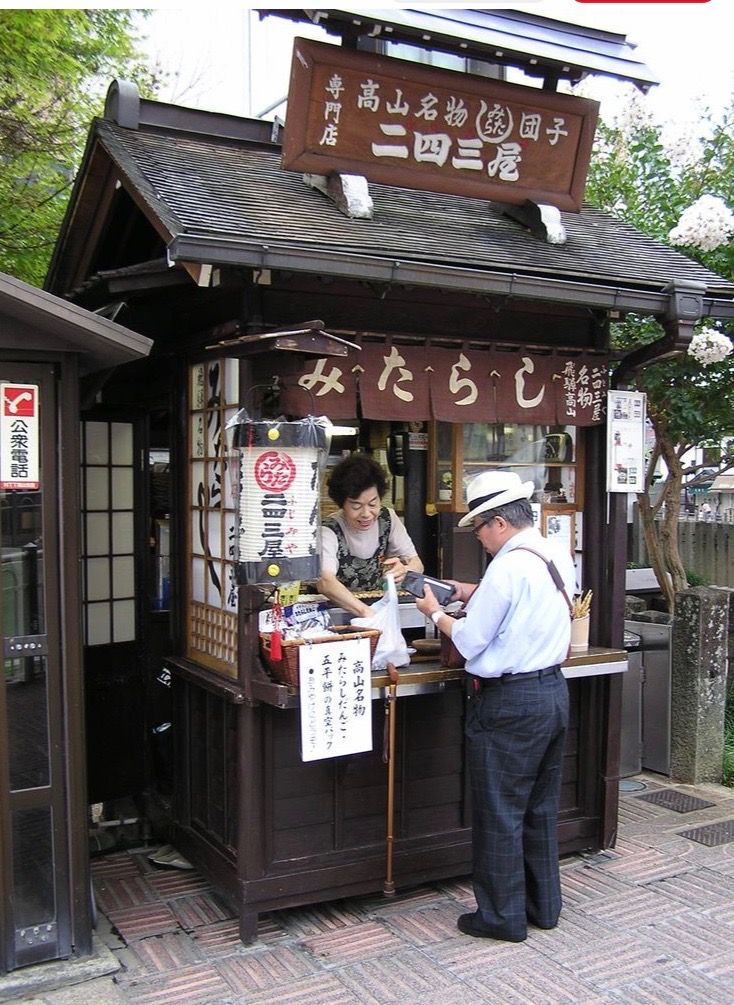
(279, 532)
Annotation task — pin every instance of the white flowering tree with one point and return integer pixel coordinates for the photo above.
(705, 225)
(682, 193)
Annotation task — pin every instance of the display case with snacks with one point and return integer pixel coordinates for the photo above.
(549, 456)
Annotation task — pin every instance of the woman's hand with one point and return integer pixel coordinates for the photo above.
(399, 566)
(340, 596)
(395, 566)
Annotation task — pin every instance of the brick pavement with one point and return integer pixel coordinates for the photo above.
(650, 922)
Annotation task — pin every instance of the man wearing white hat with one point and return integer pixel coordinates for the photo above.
(514, 637)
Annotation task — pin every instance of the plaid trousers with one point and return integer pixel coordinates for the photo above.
(515, 733)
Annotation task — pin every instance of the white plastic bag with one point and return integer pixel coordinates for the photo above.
(391, 646)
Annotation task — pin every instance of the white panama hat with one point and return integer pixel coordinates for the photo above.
(492, 489)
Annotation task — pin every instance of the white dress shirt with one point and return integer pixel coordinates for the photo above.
(517, 620)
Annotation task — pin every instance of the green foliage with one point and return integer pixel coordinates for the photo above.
(634, 176)
(638, 177)
(728, 766)
(695, 408)
(647, 183)
(695, 579)
(54, 71)
(631, 177)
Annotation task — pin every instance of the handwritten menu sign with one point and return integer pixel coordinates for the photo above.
(336, 699)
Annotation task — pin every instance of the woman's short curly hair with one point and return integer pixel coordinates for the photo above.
(354, 475)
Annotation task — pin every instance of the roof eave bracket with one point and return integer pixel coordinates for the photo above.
(685, 310)
(543, 221)
(349, 192)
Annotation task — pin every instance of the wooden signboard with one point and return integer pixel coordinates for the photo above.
(408, 125)
(454, 385)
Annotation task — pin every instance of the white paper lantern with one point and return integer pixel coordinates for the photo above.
(279, 534)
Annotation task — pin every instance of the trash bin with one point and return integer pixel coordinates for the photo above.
(645, 739)
(630, 760)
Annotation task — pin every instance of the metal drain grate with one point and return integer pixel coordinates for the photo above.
(672, 799)
(712, 834)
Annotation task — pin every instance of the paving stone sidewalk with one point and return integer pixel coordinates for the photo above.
(650, 922)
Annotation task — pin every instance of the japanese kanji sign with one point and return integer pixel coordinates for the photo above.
(329, 388)
(404, 124)
(19, 457)
(279, 482)
(336, 698)
(468, 385)
(395, 374)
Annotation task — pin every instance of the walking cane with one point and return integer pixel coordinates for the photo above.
(388, 756)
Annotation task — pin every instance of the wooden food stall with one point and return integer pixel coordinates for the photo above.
(455, 336)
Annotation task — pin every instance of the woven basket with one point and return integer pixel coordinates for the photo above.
(286, 669)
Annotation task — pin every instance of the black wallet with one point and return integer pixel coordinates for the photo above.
(413, 583)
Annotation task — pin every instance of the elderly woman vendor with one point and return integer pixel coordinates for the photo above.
(364, 539)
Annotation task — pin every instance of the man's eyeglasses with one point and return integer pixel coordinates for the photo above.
(483, 523)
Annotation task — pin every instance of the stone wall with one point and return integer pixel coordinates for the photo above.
(705, 548)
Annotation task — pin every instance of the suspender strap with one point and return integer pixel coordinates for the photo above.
(554, 574)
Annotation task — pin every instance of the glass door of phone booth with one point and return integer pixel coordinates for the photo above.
(34, 850)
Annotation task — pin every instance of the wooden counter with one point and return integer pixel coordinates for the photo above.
(423, 671)
(271, 831)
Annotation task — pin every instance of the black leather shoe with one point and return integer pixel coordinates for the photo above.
(472, 924)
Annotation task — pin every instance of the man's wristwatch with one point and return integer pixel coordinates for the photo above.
(436, 615)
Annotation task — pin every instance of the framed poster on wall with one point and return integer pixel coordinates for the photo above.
(626, 411)
(558, 524)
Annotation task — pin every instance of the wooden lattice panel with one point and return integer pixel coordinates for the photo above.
(213, 638)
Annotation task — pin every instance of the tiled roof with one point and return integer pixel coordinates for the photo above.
(517, 38)
(229, 193)
(723, 483)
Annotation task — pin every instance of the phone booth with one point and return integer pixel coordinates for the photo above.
(48, 349)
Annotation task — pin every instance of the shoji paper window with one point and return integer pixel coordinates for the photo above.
(108, 532)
